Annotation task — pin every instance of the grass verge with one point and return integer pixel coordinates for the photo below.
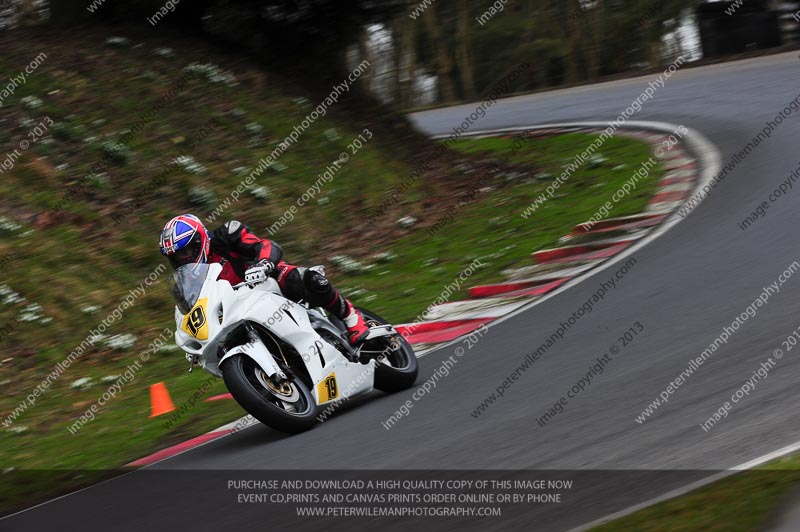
(489, 225)
(744, 502)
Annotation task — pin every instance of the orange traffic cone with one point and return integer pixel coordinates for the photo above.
(160, 401)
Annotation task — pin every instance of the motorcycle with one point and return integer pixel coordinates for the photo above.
(281, 360)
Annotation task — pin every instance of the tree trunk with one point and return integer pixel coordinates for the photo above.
(596, 46)
(394, 58)
(364, 54)
(653, 43)
(462, 52)
(408, 61)
(444, 65)
(573, 39)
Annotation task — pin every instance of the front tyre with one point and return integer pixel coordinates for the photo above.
(288, 407)
(398, 370)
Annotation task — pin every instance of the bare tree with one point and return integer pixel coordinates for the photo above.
(572, 41)
(596, 43)
(443, 61)
(408, 60)
(465, 66)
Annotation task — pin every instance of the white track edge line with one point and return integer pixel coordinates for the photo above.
(704, 152)
(689, 487)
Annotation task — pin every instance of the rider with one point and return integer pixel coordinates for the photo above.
(244, 256)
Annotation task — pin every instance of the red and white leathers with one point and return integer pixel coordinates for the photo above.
(237, 248)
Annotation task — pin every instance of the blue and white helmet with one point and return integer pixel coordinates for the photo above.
(185, 240)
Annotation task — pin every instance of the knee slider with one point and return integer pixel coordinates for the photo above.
(317, 284)
(321, 293)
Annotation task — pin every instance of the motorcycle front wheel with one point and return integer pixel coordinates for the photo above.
(288, 407)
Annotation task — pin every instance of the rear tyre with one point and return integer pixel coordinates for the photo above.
(288, 407)
(398, 370)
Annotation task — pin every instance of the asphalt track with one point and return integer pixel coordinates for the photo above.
(685, 287)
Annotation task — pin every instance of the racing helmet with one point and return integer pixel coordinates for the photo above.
(185, 240)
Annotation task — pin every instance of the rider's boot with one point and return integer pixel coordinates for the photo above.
(357, 328)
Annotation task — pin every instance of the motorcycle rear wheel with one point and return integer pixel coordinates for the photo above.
(398, 370)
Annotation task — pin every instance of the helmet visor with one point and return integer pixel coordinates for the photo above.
(188, 254)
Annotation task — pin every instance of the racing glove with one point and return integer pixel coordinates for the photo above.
(259, 271)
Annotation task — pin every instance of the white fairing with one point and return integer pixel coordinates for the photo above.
(289, 321)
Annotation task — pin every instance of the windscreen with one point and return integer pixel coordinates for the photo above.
(187, 281)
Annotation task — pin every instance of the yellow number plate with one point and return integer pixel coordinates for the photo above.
(195, 323)
(327, 389)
